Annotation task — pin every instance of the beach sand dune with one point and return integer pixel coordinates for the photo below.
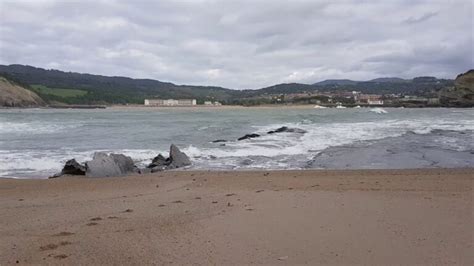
(369, 217)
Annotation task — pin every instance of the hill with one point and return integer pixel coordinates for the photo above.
(14, 95)
(77, 88)
(336, 82)
(462, 93)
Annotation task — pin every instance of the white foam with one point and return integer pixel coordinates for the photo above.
(378, 110)
(34, 127)
(322, 136)
(44, 163)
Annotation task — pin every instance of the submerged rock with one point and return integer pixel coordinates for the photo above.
(219, 140)
(103, 165)
(287, 129)
(249, 136)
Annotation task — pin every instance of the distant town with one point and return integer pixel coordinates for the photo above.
(325, 99)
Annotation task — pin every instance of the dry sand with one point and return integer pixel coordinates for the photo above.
(370, 217)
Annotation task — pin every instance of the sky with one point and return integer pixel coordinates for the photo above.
(241, 44)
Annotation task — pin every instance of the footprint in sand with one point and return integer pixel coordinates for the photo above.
(61, 256)
(49, 247)
(128, 210)
(95, 219)
(54, 246)
(64, 233)
(91, 224)
(230, 194)
(178, 201)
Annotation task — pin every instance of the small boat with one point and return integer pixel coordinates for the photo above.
(378, 111)
(319, 107)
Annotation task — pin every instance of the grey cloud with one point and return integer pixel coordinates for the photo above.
(421, 18)
(240, 44)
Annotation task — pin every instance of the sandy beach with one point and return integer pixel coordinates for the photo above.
(366, 217)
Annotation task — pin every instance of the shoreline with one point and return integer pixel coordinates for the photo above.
(316, 217)
(231, 107)
(184, 171)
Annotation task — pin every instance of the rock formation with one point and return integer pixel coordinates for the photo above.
(103, 165)
(462, 94)
(287, 129)
(176, 159)
(249, 136)
(13, 95)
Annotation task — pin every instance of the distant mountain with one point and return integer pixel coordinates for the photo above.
(336, 82)
(389, 80)
(14, 95)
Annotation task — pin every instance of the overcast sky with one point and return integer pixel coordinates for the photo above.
(241, 44)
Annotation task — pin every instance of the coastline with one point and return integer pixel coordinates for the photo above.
(417, 216)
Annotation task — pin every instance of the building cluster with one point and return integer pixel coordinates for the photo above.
(170, 102)
(355, 98)
(178, 102)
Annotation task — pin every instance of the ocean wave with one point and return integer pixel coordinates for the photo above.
(34, 127)
(270, 151)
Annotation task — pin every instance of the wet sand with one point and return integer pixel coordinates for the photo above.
(364, 217)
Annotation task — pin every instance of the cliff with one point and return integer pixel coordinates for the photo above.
(462, 94)
(13, 95)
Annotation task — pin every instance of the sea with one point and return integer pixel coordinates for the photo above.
(35, 143)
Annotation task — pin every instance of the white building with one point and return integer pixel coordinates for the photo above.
(170, 102)
(209, 103)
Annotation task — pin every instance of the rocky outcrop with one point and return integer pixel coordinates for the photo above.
(13, 95)
(177, 159)
(248, 136)
(108, 165)
(103, 165)
(287, 129)
(462, 94)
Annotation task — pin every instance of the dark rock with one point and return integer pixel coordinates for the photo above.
(249, 136)
(219, 140)
(178, 158)
(103, 165)
(159, 160)
(287, 129)
(71, 167)
(278, 130)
